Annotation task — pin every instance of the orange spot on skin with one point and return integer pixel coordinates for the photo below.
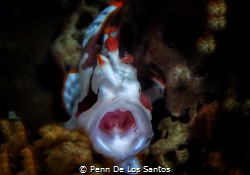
(141, 159)
(127, 59)
(101, 62)
(118, 3)
(160, 80)
(110, 30)
(73, 71)
(111, 44)
(66, 76)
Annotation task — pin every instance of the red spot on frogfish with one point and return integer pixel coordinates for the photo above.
(145, 101)
(101, 62)
(118, 3)
(111, 44)
(127, 59)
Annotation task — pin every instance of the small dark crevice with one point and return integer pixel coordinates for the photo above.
(181, 147)
(145, 48)
(185, 118)
(16, 163)
(199, 105)
(84, 20)
(201, 72)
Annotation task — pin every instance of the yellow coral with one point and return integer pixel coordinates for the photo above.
(206, 43)
(69, 149)
(216, 8)
(66, 46)
(15, 145)
(57, 152)
(216, 14)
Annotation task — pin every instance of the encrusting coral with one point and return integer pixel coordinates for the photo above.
(217, 10)
(215, 162)
(53, 151)
(69, 149)
(67, 46)
(171, 150)
(16, 152)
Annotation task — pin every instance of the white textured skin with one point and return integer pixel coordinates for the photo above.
(71, 92)
(121, 93)
(76, 87)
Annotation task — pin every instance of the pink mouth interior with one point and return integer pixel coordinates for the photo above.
(117, 122)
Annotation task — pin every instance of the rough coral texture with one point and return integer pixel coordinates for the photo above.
(69, 149)
(201, 125)
(14, 144)
(53, 150)
(171, 150)
(175, 133)
(67, 46)
(217, 10)
(215, 162)
(202, 98)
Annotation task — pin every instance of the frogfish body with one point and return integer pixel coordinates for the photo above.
(105, 100)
